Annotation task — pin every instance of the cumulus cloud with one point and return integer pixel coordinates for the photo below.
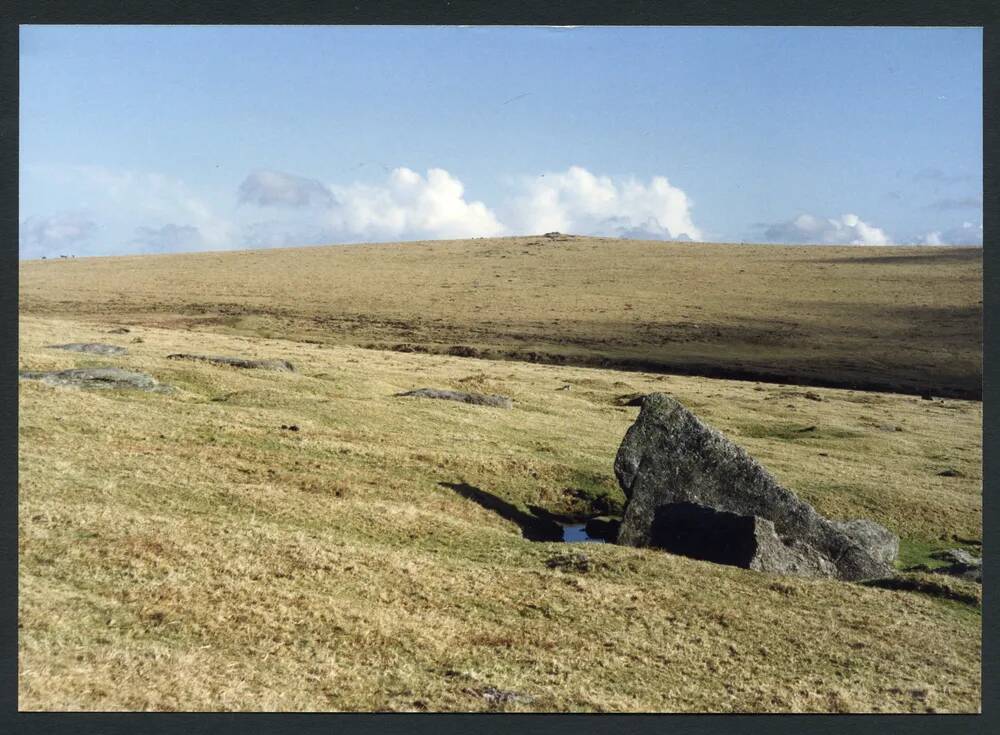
(406, 206)
(276, 189)
(55, 234)
(411, 206)
(166, 238)
(848, 229)
(578, 202)
(965, 234)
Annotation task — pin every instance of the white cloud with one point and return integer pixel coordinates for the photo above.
(410, 206)
(57, 234)
(966, 234)
(273, 188)
(578, 202)
(848, 229)
(148, 197)
(407, 206)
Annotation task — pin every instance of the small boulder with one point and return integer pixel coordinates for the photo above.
(960, 564)
(950, 472)
(880, 542)
(957, 556)
(237, 362)
(119, 330)
(94, 348)
(603, 527)
(477, 399)
(101, 378)
(631, 399)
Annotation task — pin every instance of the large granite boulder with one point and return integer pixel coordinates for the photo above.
(692, 491)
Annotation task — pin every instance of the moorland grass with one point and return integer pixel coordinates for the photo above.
(181, 551)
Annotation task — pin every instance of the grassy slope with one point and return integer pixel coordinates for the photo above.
(899, 319)
(181, 551)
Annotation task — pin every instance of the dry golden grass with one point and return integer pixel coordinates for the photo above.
(897, 319)
(181, 551)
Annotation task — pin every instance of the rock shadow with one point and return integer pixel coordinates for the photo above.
(538, 525)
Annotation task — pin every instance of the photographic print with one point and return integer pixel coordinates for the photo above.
(558, 369)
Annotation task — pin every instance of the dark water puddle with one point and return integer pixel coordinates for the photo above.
(577, 533)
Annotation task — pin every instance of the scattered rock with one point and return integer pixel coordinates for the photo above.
(957, 556)
(889, 427)
(575, 562)
(137, 340)
(290, 427)
(564, 387)
(478, 399)
(237, 362)
(631, 399)
(683, 480)
(927, 396)
(103, 377)
(950, 472)
(882, 543)
(603, 527)
(94, 348)
(812, 396)
(119, 330)
(961, 564)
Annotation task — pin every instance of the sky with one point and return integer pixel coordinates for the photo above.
(145, 139)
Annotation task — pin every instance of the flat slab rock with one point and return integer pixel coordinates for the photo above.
(95, 348)
(692, 491)
(100, 378)
(237, 362)
(478, 399)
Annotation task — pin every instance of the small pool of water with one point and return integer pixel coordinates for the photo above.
(577, 532)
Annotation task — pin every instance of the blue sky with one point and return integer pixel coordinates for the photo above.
(154, 139)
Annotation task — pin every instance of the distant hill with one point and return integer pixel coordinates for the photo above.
(903, 319)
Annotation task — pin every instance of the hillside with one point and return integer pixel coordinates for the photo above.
(186, 550)
(893, 319)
